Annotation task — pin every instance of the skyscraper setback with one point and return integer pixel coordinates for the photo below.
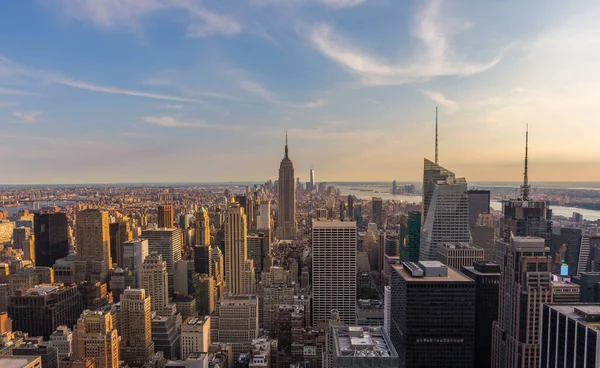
(286, 205)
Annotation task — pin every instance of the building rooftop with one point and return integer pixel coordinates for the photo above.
(322, 222)
(453, 275)
(459, 245)
(190, 321)
(9, 361)
(362, 342)
(584, 313)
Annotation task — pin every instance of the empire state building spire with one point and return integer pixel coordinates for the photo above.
(286, 147)
(525, 188)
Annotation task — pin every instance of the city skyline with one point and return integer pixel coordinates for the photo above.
(355, 82)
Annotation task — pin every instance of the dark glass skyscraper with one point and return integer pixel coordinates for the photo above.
(479, 202)
(377, 211)
(51, 238)
(413, 240)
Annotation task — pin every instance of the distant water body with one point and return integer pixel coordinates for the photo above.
(382, 190)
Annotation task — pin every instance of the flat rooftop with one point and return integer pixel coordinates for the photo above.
(459, 245)
(584, 313)
(453, 275)
(362, 342)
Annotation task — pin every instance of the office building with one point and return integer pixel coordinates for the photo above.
(486, 276)
(456, 255)
(571, 239)
(479, 202)
(351, 207)
(484, 237)
(203, 259)
(239, 270)
(168, 243)
(362, 346)
(51, 234)
(195, 335)
(21, 361)
(570, 335)
(136, 345)
(286, 204)
(134, 254)
(186, 306)
(334, 270)
(165, 335)
(263, 217)
(235, 321)
(377, 211)
(93, 243)
(45, 350)
(205, 302)
(202, 227)
(20, 237)
(96, 339)
(120, 232)
(41, 309)
(165, 217)
(413, 239)
(313, 185)
(62, 339)
(155, 281)
(432, 174)
(524, 286)
(564, 291)
(589, 287)
(433, 315)
(255, 252)
(447, 217)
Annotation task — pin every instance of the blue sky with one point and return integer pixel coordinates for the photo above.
(191, 90)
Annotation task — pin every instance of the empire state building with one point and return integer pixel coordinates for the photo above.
(286, 219)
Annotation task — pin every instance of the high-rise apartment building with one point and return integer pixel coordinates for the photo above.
(235, 321)
(135, 330)
(51, 232)
(286, 204)
(432, 315)
(41, 309)
(569, 335)
(447, 217)
(96, 339)
(202, 227)
(169, 244)
(479, 202)
(524, 287)
(93, 243)
(155, 281)
(413, 238)
(195, 335)
(134, 254)
(239, 270)
(165, 217)
(486, 276)
(377, 211)
(120, 232)
(334, 269)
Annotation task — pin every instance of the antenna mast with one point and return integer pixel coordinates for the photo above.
(436, 135)
(525, 187)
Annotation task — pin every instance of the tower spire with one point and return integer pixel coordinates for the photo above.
(436, 135)
(286, 146)
(525, 187)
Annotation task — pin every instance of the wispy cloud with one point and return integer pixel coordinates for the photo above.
(8, 104)
(440, 99)
(28, 117)
(40, 75)
(435, 58)
(341, 3)
(171, 122)
(12, 91)
(110, 14)
(175, 106)
(314, 104)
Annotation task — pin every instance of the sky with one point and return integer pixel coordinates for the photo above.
(104, 91)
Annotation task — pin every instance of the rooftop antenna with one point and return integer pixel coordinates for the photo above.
(436, 135)
(286, 147)
(525, 187)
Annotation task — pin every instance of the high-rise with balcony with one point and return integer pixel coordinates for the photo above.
(286, 204)
(239, 270)
(525, 285)
(334, 270)
(136, 345)
(93, 243)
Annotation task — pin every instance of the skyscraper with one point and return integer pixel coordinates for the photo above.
(351, 207)
(334, 269)
(202, 227)
(413, 239)
(235, 320)
(479, 202)
(165, 217)
(432, 174)
(526, 216)
(195, 335)
(377, 211)
(168, 243)
(120, 232)
(134, 254)
(447, 217)
(433, 315)
(525, 284)
(239, 270)
(286, 205)
(203, 259)
(51, 232)
(155, 281)
(312, 179)
(264, 216)
(96, 339)
(93, 243)
(136, 345)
